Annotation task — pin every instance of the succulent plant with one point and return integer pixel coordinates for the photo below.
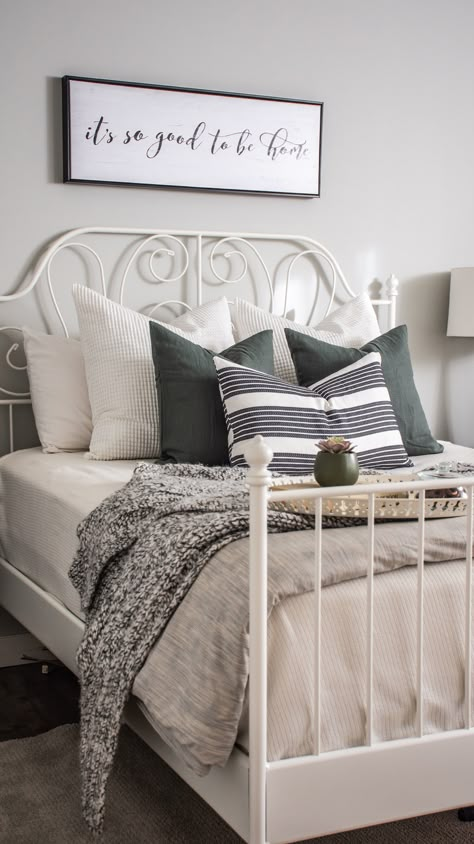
(336, 445)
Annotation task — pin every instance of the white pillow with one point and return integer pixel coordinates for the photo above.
(58, 389)
(353, 403)
(353, 324)
(120, 374)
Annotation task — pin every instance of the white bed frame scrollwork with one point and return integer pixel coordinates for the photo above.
(321, 793)
(200, 253)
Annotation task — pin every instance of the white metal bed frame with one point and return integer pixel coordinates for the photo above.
(322, 793)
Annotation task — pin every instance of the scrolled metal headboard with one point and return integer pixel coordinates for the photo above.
(273, 266)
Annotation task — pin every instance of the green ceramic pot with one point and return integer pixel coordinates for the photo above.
(336, 469)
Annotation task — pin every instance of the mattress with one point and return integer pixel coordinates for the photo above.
(44, 497)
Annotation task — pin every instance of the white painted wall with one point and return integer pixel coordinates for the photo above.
(396, 77)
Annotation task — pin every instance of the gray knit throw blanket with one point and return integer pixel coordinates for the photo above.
(140, 552)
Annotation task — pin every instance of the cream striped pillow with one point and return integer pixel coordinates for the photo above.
(353, 324)
(120, 373)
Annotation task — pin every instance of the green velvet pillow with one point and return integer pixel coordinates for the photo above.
(192, 422)
(314, 359)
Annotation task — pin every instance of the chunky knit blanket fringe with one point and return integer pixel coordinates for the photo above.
(140, 552)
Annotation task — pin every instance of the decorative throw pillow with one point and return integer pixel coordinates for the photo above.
(192, 423)
(58, 390)
(120, 374)
(314, 359)
(210, 323)
(352, 324)
(353, 403)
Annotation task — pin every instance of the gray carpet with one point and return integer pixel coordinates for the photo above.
(147, 802)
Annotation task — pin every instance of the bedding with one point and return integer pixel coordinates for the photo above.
(192, 422)
(119, 369)
(352, 324)
(354, 403)
(314, 359)
(59, 395)
(44, 497)
(140, 552)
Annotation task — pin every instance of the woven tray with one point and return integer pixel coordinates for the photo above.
(402, 505)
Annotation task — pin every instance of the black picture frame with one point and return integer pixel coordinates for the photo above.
(137, 134)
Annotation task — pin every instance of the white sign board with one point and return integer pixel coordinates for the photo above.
(126, 133)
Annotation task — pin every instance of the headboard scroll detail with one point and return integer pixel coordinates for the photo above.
(282, 268)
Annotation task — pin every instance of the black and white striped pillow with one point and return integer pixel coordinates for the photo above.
(353, 402)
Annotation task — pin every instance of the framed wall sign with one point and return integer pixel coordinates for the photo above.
(133, 134)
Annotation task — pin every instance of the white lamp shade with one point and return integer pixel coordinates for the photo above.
(461, 303)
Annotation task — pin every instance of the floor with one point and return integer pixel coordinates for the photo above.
(32, 702)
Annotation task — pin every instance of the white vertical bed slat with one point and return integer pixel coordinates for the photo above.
(318, 525)
(370, 619)
(420, 616)
(10, 427)
(468, 616)
(10, 404)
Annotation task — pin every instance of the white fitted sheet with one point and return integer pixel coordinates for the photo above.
(43, 497)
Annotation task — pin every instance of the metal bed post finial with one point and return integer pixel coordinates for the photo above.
(258, 455)
(392, 284)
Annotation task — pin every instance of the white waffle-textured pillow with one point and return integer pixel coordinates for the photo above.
(351, 325)
(120, 373)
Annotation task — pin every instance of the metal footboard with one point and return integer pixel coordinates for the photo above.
(258, 456)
